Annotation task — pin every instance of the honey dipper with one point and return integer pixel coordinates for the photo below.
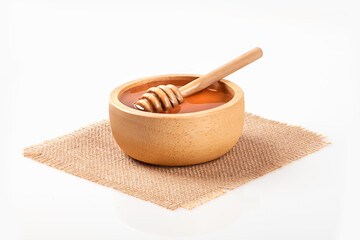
(166, 97)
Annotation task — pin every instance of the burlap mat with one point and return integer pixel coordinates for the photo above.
(91, 153)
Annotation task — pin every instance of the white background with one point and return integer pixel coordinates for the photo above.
(59, 60)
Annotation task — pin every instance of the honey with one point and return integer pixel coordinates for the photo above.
(211, 97)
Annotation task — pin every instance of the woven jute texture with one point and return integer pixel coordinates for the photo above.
(91, 153)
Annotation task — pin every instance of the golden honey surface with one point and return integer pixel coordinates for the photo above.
(211, 97)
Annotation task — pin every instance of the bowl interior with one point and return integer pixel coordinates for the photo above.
(133, 90)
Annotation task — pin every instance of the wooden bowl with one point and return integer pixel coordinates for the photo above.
(176, 139)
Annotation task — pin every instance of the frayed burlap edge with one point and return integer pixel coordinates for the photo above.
(315, 148)
(34, 152)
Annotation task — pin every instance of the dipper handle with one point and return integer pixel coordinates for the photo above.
(221, 72)
(163, 98)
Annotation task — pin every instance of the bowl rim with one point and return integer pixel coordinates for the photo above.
(115, 102)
